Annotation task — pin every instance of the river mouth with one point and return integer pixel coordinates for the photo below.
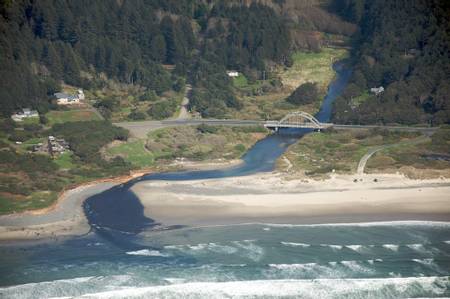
(118, 210)
(126, 254)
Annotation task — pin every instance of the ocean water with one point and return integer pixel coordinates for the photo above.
(127, 256)
(371, 260)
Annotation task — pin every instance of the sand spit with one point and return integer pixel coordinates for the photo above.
(271, 198)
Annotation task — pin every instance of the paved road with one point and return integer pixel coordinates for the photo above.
(141, 128)
(362, 163)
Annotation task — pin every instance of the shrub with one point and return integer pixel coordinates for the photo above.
(305, 94)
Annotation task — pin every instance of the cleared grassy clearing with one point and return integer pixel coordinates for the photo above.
(321, 153)
(58, 117)
(64, 160)
(133, 152)
(312, 67)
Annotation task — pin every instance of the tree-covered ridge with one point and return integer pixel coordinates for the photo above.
(405, 48)
(45, 42)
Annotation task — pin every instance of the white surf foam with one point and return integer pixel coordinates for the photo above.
(357, 248)
(293, 244)
(356, 266)
(333, 246)
(317, 288)
(147, 252)
(427, 262)
(363, 224)
(292, 266)
(203, 248)
(250, 250)
(393, 247)
(418, 247)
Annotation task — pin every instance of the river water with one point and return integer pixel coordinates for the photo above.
(365, 260)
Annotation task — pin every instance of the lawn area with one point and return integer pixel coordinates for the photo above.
(57, 117)
(320, 153)
(240, 81)
(64, 160)
(133, 152)
(312, 67)
(356, 101)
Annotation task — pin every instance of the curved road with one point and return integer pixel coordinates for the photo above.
(362, 163)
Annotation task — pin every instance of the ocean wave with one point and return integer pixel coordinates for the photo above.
(418, 247)
(355, 266)
(203, 248)
(362, 224)
(147, 252)
(427, 262)
(317, 288)
(375, 260)
(333, 246)
(293, 244)
(393, 247)
(357, 248)
(250, 250)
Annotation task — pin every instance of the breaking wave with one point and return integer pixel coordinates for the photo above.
(147, 252)
(293, 244)
(310, 288)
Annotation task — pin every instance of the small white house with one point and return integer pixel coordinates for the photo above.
(63, 98)
(377, 90)
(80, 94)
(232, 73)
(25, 113)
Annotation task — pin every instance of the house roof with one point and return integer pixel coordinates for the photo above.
(61, 95)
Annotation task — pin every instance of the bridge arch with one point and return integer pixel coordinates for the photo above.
(300, 118)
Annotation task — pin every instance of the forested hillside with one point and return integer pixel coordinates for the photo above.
(405, 48)
(43, 43)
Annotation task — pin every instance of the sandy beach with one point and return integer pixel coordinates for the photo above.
(271, 198)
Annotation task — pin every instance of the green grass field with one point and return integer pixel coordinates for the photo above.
(133, 152)
(64, 160)
(313, 67)
(57, 117)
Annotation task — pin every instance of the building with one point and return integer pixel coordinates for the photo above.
(63, 98)
(56, 145)
(25, 113)
(232, 73)
(377, 90)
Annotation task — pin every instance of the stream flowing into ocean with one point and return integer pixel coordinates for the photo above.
(408, 259)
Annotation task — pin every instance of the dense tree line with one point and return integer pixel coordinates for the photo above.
(306, 93)
(406, 49)
(45, 42)
(86, 138)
